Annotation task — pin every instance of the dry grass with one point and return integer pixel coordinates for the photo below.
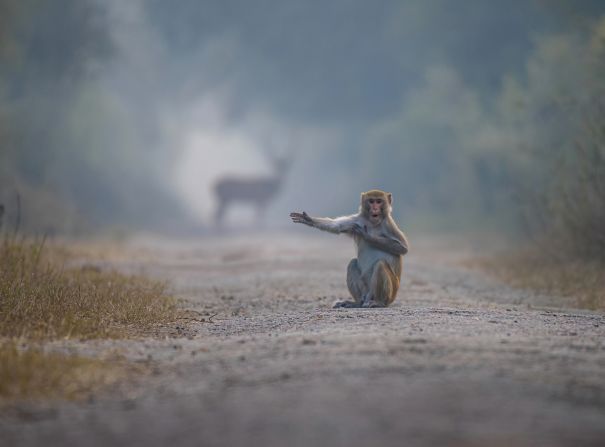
(583, 281)
(41, 300)
(34, 375)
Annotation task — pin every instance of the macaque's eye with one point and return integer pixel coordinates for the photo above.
(378, 201)
(371, 201)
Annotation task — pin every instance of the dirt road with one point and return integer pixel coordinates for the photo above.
(459, 360)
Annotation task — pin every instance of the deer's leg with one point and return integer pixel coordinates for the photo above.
(261, 210)
(220, 212)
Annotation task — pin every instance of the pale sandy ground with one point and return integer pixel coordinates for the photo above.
(458, 360)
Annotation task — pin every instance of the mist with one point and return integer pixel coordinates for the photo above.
(126, 114)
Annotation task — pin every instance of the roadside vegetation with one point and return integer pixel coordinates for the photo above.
(32, 374)
(555, 118)
(42, 300)
(580, 280)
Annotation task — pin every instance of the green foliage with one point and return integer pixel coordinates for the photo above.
(574, 210)
(530, 155)
(448, 155)
(69, 144)
(561, 140)
(472, 115)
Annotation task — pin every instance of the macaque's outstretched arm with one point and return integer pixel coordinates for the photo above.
(343, 224)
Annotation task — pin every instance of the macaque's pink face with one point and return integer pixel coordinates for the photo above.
(375, 209)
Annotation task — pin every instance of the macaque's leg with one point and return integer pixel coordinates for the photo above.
(356, 286)
(383, 286)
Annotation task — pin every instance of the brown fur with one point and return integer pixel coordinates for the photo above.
(373, 278)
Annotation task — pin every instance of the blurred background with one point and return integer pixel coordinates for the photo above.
(476, 115)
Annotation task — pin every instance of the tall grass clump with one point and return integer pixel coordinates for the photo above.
(40, 299)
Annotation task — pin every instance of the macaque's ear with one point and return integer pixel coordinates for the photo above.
(363, 197)
(390, 198)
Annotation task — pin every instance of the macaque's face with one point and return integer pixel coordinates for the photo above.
(375, 209)
(375, 205)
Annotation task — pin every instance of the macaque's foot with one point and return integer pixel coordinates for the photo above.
(346, 304)
(371, 304)
(367, 300)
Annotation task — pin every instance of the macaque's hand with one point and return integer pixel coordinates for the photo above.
(302, 218)
(359, 230)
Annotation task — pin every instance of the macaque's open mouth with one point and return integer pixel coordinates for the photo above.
(375, 215)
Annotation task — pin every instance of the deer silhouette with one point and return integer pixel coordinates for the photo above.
(256, 191)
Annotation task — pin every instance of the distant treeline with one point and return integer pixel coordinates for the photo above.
(475, 115)
(529, 157)
(71, 151)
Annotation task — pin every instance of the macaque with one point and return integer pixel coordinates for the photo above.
(373, 277)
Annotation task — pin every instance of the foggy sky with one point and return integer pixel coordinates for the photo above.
(186, 92)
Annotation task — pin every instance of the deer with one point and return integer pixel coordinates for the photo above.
(257, 191)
